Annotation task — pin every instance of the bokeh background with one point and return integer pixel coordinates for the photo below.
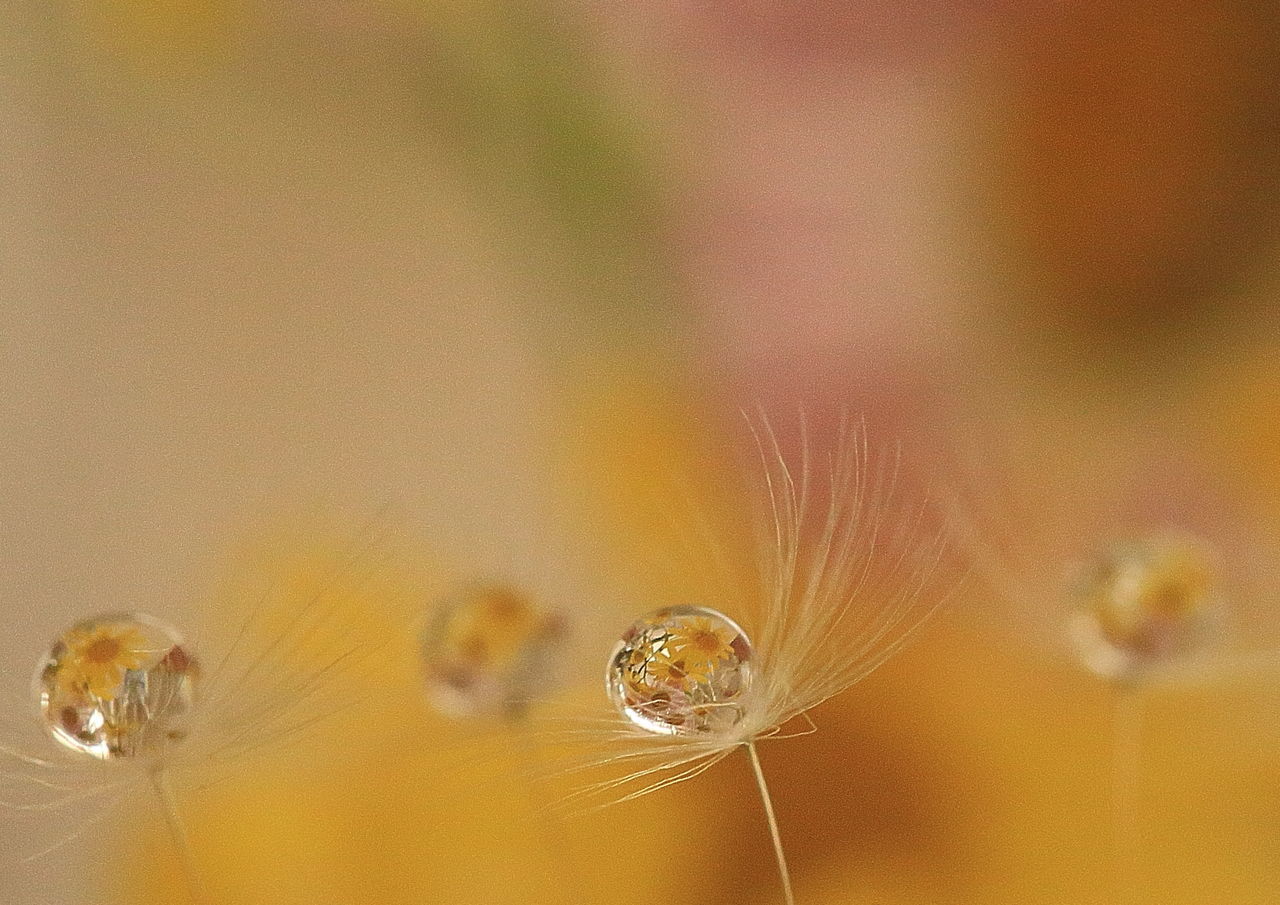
(271, 270)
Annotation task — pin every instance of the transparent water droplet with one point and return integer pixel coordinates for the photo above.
(489, 650)
(116, 686)
(682, 670)
(1143, 605)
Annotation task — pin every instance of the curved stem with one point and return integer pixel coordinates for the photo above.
(178, 831)
(783, 874)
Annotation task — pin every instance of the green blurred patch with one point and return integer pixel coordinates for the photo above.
(514, 93)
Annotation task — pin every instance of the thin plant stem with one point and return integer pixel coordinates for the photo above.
(783, 874)
(178, 831)
(1126, 782)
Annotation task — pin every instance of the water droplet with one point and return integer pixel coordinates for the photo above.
(116, 686)
(682, 670)
(488, 650)
(1143, 605)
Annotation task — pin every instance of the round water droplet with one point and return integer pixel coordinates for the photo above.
(1142, 605)
(488, 650)
(116, 686)
(682, 670)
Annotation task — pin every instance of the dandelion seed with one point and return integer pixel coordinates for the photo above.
(844, 576)
(1142, 608)
(489, 650)
(118, 687)
(1156, 608)
(129, 703)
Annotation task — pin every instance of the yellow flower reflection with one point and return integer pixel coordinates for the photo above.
(701, 645)
(97, 657)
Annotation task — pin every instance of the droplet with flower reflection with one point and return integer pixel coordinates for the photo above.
(682, 670)
(1145, 604)
(117, 686)
(488, 650)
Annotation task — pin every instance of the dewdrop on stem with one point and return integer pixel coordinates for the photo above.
(121, 687)
(488, 652)
(686, 671)
(1142, 608)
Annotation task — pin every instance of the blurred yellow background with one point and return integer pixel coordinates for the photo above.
(268, 267)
